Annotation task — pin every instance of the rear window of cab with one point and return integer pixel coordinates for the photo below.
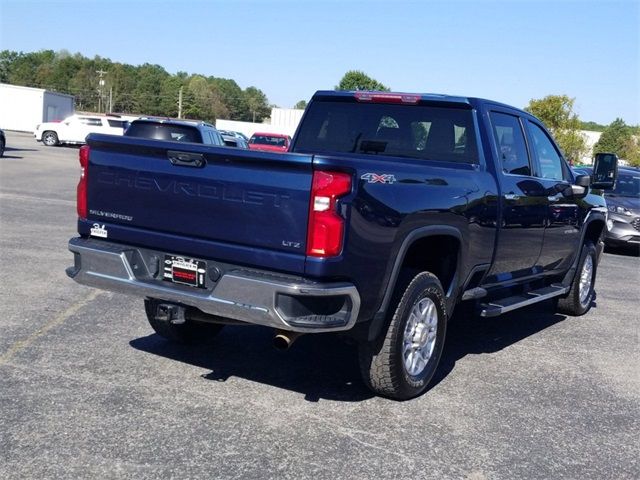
(414, 131)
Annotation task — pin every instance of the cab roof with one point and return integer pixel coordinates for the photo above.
(409, 98)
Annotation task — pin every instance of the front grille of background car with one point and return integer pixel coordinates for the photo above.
(636, 223)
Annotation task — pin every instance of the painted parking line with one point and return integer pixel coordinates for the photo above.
(54, 322)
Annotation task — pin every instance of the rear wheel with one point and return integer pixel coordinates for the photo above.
(189, 332)
(401, 364)
(50, 139)
(1, 147)
(582, 292)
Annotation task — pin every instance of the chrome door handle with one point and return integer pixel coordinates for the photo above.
(511, 196)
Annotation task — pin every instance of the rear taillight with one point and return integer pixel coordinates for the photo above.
(326, 227)
(82, 184)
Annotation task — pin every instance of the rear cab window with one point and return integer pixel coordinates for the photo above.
(422, 132)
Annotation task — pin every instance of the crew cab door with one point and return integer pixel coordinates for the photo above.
(562, 232)
(524, 202)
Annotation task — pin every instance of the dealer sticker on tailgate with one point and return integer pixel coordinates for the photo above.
(186, 271)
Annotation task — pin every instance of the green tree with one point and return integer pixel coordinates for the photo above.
(232, 96)
(258, 104)
(142, 89)
(592, 126)
(556, 112)
(148, 89)
(121, 80)
(8, 59)
(618, 138)
(301, 105)
(169, 94)
(203, 101)
(357, 80)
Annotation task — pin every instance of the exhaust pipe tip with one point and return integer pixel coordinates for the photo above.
(282, 340)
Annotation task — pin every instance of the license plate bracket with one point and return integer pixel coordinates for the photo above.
(184, 271)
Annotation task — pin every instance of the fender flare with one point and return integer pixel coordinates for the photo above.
(407, 242)
(596, 214)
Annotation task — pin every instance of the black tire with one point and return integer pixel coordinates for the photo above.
(190, 332)
(1, 147)
(382, 363)
(574, 303)
(50, 138)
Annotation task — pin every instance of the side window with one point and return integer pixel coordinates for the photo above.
(548, 158)
(512, 148)
(93, 122)
(116, 123)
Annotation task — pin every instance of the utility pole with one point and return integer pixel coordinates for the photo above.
(180, 103)
(100, 85)
(110, 99)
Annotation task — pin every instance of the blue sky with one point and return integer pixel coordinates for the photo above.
(510, 51)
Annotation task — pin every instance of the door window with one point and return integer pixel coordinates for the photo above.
(548, 158)
(512, 149)
(92, 122)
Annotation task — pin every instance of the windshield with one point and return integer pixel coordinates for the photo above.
(627, 186)
(267, 140)
(415, 131)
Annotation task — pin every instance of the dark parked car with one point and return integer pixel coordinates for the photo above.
(233, 141)
(623, 203)
(3, 142)
(231, 133)
(175, 131)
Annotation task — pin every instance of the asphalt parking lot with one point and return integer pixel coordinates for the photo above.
(88, 391)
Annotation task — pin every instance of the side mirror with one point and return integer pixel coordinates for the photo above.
(605, 171)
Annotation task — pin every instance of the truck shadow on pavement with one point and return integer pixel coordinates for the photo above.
(318, 366)
(323, 366)
(8, 153)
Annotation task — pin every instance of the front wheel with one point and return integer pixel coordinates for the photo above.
(401, 364)
(582, 293)
(50, 139)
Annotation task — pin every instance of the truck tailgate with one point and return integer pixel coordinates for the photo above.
(209, 194)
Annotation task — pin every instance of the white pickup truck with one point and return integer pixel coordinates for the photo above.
(74, 129)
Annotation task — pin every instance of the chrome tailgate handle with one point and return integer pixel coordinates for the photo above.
(185, 159)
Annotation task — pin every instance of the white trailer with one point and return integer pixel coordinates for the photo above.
(23, 108)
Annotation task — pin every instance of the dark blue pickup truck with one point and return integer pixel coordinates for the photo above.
(388, 211)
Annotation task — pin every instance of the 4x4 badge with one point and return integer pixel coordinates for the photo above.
(378, 178)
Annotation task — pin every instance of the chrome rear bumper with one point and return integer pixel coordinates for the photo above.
(274, 300)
